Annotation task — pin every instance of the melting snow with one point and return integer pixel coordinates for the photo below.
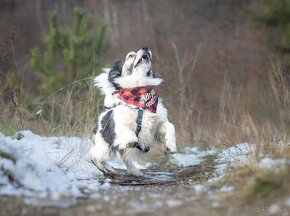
(274, 209)
(190, 156)
(216, 204)
(172, 203)
(236, 155)
(287, 202)
(47, 168)
(227, 189)
(199, 188)
(269, 164)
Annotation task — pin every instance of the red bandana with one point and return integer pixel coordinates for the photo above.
(144, 97)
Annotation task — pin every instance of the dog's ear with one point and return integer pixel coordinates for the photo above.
(115, 72)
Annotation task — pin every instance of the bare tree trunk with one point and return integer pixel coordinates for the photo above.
(150, 34)
(38, 12)
(111, 17)
(185, 69)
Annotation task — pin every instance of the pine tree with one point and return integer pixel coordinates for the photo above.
(277, 19)
(71, 53)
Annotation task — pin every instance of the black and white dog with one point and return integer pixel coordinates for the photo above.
(135, 116)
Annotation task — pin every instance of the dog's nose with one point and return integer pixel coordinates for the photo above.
(145, 48)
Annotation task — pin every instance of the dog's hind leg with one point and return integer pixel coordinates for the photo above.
(100, 154)
(132, 169)
(167, 130)
(127, 156)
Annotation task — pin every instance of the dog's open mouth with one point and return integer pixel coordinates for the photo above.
(144, 58)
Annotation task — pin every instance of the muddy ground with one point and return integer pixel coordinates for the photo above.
(170, 192)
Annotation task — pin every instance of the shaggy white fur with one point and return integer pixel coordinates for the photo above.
(118, 124)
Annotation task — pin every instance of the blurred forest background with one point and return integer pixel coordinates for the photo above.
(225, 80)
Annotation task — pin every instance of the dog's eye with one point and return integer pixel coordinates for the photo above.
(130, 56)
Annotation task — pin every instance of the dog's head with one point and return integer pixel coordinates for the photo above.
(121, 68)
(143, 63)
(134, 71)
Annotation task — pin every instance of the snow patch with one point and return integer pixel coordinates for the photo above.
(48, 169)
(236, 155)
(216, 204)
(190, 156)
(173, 203)
(274, 209)
(287, 202)
(227, 189)
(146, 207)
(269, 164)
(199, 188)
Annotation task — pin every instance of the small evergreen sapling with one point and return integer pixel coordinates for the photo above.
(70, 53)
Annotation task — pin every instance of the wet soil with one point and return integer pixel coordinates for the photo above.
(169, 192)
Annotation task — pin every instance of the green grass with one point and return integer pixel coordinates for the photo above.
(271, 184)
(9, 128)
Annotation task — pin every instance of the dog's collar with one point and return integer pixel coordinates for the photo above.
(143, 97)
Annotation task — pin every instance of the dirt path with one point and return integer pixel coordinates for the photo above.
(153, 200)
(171, 192)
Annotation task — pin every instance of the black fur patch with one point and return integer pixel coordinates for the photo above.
(115, 72)
(108, 127)
(151, 73)
(131, 68)
(148, 74)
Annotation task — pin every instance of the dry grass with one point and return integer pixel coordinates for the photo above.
(254, 185)
(71, 110)
(58, 114)
(262, 118)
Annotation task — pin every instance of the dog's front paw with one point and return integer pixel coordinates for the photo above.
(146, 149)
(171, 148)
(132, 144)
(137, 146)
